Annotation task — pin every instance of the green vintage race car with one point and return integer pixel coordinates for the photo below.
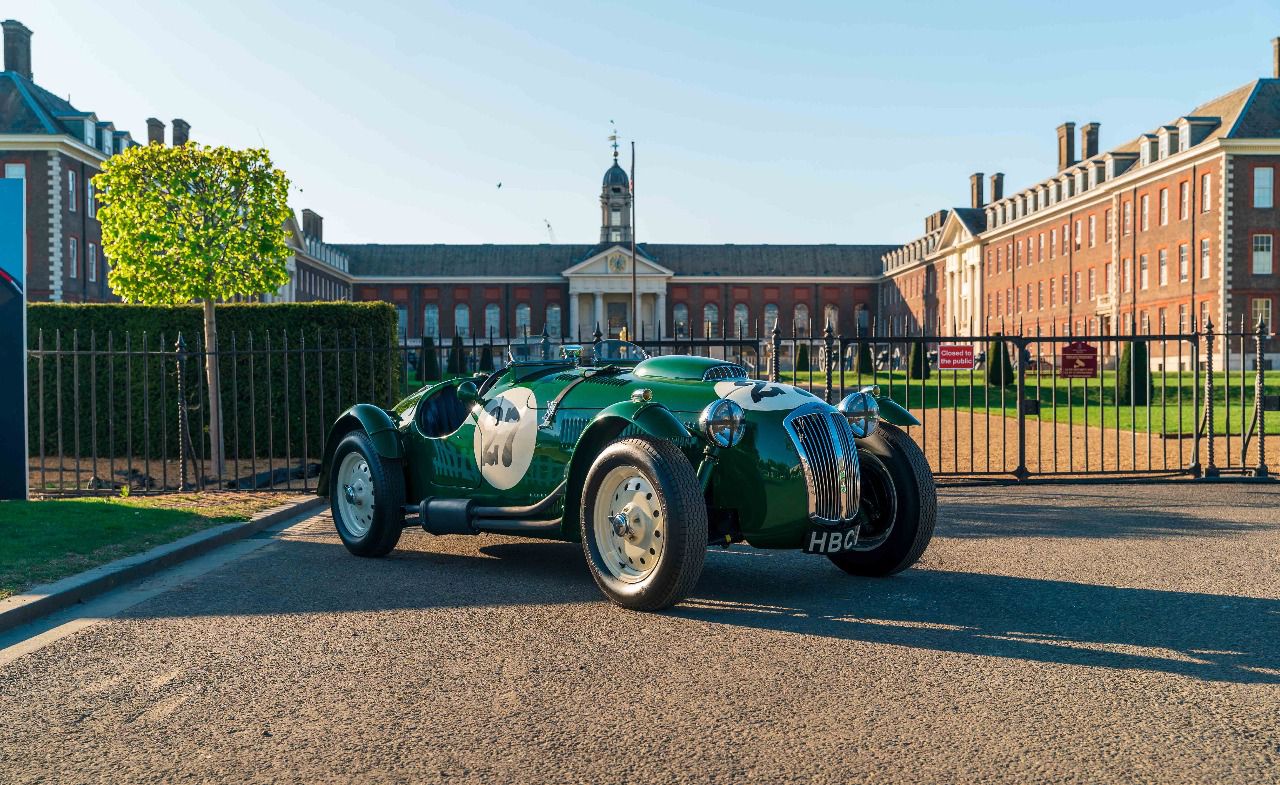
(645, 460)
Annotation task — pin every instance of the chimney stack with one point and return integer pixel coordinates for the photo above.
(181, 131)
(1089, 140)
(997, 186)
(1066, 145)
(17, 47)
(312, 224)
(155, 131)
(1275, 54)
(975, 190)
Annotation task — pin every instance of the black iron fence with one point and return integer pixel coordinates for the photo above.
(130, 413)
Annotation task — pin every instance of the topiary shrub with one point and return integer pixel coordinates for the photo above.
(999, 368)
(428, 361)
(1133, 375)
(486, 358)
(918, 363)
(862, 362)
(455, 363)
(802, 357)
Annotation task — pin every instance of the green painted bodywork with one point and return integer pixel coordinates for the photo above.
(383, 431)
(760, 478)
(893, 412)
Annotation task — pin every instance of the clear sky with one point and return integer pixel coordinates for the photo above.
(793, 122)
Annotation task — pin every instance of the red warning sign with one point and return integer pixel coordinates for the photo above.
(955, 357)
(1079, 361)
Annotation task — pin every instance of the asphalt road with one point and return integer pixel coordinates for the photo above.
(1061, 633)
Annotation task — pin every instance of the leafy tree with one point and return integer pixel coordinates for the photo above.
(193, 223)
(917, 362)
(999, 368)
(428, 361)
(455, 363)
(1133, 375)
(486, 358)
(802, 357)
(862, 363)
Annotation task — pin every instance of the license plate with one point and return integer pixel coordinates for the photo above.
(825, 541)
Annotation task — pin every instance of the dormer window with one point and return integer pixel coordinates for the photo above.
(1148, 150)
(90, 133)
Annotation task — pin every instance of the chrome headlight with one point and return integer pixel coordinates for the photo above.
(862, 411)
(722, 423)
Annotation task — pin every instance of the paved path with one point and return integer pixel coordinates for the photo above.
(1070, 634)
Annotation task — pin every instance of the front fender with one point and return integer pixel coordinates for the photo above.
(375, 422)
(893, 412)
(652, 418)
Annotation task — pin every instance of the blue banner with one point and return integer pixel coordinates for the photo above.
(13, 339)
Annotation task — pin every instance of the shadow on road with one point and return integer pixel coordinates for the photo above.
(1206, 636)
(1016, 516)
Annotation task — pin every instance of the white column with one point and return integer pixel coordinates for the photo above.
(599, 315)
(573, 316)
(660, 313)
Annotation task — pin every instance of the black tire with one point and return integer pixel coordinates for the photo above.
(382, 532)
(915, 503)
(681, 505)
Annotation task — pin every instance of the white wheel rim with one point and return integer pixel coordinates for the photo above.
(629, 525)
(355, 495)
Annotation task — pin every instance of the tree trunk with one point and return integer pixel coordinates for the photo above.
(216, 458)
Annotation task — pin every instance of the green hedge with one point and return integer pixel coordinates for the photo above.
(112, 370)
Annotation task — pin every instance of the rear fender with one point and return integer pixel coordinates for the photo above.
(375, 422)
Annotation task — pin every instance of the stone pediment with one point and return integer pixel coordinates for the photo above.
(616, 260)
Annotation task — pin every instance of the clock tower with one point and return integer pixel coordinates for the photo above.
(615, 204)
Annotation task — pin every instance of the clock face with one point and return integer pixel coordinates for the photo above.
(617, 263)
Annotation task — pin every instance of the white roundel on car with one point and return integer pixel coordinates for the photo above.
(505, 437)
(763, 396)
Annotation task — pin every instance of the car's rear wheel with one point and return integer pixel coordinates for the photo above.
(644, 524)
(366, 494)
(899, 501)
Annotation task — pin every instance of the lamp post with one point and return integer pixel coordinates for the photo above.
(635, 296)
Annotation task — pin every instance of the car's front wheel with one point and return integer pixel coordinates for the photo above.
(366, 494)
(898, 508)
(644, 524)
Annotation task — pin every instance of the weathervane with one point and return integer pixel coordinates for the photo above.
(613, 139)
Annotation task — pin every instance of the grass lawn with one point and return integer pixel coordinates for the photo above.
(1080, 401)
(51, 539)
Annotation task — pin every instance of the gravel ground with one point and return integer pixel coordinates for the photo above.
(1119, 633)
(948, 436)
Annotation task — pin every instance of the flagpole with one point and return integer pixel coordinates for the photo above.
(635, 297)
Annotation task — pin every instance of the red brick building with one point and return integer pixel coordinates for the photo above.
(56, 149)
(683, 289)
(1155, 235)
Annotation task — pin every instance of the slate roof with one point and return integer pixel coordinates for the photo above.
(728, 260)
(974, 219)
(28, 108)
(1260, 117)
(21, 112)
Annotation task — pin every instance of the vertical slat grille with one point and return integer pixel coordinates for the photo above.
(827, 450)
